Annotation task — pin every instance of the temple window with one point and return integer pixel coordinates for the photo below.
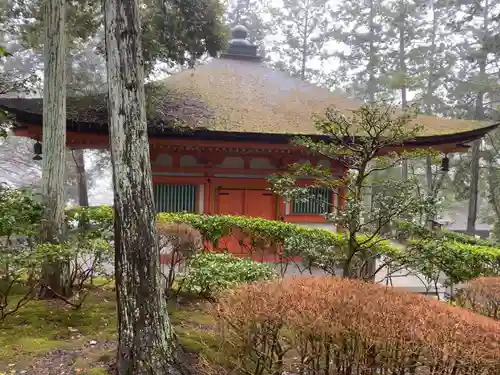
(317, 202)
(175, 198)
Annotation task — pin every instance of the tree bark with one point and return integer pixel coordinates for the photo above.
(145, 335)
(55, 275)
(429, 93)
(83, 192)
(372, 84)
(478, 115)
(304, 44)
(474, 187)
(429, 178)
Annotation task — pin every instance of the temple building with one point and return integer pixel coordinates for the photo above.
(218, 131)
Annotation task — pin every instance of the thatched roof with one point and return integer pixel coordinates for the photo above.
(229, 95)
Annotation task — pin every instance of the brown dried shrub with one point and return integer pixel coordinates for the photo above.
(482, 295)
(332, 326)
(178, 243)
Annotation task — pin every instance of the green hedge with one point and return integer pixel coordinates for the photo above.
(459, 261)
(317, 247)
(464, 238)
(459, 256)
(410, 230)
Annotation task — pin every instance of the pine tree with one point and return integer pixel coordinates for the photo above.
(404, 18)
(359, 28)
(303, 29)
(434, 60)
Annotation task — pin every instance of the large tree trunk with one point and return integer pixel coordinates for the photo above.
(371, 263)
(145, 335)
(55, 275)
(429, 94)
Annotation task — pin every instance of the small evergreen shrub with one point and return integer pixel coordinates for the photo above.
(481, 295)
(331, 326)
(210, 273)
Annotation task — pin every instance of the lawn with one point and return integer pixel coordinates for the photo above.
(49, 337)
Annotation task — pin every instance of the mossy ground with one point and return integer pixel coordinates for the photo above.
(50, 333)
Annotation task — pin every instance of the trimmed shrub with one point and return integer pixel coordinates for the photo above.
(407, 229)
(330, 326)
(481, 295)
(178, 243)
(210, 273)
(460, 262)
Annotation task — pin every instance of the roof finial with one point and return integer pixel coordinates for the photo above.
(239, 32)
(239, 47)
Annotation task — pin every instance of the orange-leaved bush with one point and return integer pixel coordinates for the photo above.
(482, 295)
(326, 325)
(178, 243)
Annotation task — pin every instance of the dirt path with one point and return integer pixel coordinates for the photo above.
(70, 362)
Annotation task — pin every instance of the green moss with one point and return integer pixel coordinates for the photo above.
(203, 343)
(96, 371)
(275, 103)
(43, 326)
(190, 316)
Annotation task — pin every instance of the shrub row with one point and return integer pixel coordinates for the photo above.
(481, 295)
(316, 247)
(460, 257)
(460, 262)
(330, 326)
(407, 230)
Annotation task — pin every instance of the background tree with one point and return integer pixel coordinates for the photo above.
(86, 70)
(361, 32)
(404, 21)
(173, 31)
(302, 26)
(54, 141)
(433, 61)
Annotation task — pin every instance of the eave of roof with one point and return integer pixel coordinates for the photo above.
(460, 139)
